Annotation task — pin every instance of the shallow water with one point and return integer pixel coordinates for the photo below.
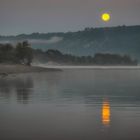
(75, 104)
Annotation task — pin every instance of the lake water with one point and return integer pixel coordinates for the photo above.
(75, 104)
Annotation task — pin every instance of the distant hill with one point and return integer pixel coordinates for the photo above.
(120, 40)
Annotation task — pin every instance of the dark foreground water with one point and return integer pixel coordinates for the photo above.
(71, 105)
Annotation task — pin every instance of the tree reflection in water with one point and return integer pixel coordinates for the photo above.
(22, 87)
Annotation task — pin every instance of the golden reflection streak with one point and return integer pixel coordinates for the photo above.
(106, 113)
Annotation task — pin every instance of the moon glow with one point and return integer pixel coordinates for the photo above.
(105, 17)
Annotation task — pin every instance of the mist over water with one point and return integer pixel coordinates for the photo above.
(74, 104)
(92, 67)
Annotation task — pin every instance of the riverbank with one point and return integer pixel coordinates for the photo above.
(6, 69)
(93, 67)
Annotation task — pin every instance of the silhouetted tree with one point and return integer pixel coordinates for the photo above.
(6, 53)
(24, 53)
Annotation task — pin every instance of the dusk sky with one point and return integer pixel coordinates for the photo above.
(27, 16)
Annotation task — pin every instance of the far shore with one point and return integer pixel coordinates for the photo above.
(93, 67)
(6, 69)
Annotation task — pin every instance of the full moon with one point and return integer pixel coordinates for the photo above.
(105, 17)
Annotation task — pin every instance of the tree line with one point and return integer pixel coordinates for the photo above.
(21, 53)
(97, 59)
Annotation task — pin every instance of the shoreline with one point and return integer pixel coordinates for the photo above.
(119, 67)
(6, 69)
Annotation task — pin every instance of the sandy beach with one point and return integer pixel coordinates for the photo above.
(6, 69)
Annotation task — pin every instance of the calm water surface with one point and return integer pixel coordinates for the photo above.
(71, 105)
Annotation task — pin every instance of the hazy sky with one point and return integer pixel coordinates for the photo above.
(27, 16)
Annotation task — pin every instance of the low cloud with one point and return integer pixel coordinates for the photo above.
(52, 40)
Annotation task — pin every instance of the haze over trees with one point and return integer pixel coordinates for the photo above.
(97, 59)
(115, 40)
(22, 53)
